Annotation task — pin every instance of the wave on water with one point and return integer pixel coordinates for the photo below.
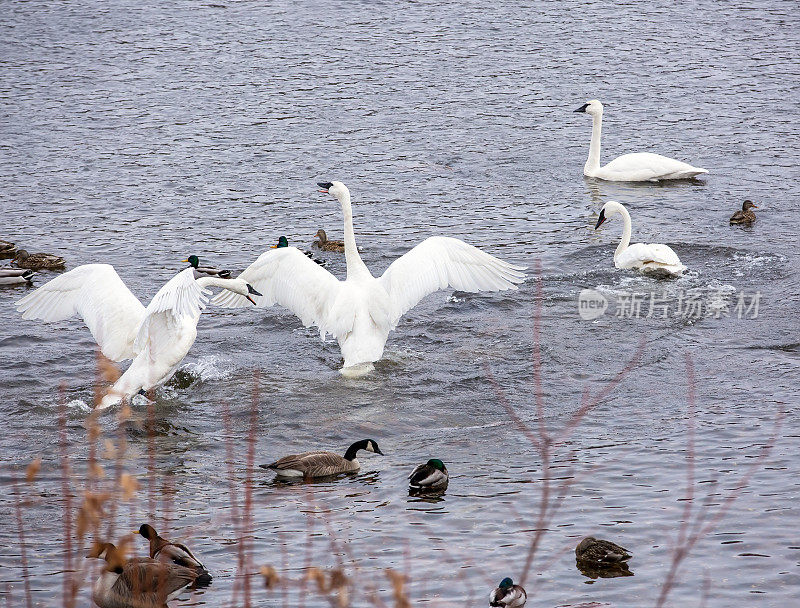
(79, 405)
(205, 369)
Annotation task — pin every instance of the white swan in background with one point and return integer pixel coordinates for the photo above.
(361, 310)
(650, 258)
(637, 167)
(157, 338)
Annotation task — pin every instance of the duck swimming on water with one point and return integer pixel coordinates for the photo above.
(38, 261)
(745, 215)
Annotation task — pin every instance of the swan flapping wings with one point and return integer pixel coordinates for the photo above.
(118, 321)
(440, 262)
(98, 295)
(286, 276)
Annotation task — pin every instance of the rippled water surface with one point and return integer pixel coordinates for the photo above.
(139, 133)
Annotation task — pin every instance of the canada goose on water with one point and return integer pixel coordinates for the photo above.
(322, 464)
(173, 553)
(139, 582)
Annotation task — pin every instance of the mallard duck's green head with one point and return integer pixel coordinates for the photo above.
(436, 464)
(506, 583)
(282, 242)
(193, 261)
(147, 531)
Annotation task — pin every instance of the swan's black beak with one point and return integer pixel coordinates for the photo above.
(253, 292)
(582, 108)
(600, 219)
(325, 186)
(378, 450)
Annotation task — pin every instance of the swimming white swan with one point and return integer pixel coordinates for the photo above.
(157, 338)
(361, 310)
(651, 258)
(637, 167)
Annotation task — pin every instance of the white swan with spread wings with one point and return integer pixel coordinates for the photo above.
(157, 338)
(361, 310)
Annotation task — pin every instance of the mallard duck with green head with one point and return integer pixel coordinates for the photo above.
(16, 276)
(508, 594)
(429, 477)
(205, 271)
(168, 552)
(284, 242)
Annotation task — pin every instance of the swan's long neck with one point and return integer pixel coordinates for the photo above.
(355, 265)
(214, 282)
(593, 162)
(626, 232)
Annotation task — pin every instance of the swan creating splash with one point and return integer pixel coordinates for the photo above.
(157, 338)
(361, 310)
(651, 258)
(636, 167)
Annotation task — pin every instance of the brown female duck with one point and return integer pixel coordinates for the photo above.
(325, 245)
(744, 216)
(38, 261)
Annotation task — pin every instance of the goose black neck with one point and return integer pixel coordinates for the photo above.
(351, 452)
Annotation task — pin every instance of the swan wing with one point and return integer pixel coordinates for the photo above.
(286, 276)
(441, 262)
(96, 293)
(181, 297)
(642, 253)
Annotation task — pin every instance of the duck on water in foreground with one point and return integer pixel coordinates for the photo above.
(322, 464)
(139, 582)
(168, 552)
(744, 215)
(361, 310)
(508, 594)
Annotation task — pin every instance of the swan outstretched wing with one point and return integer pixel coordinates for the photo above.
(287, 277)
(181, 296)
(440, 262)
(96, 293)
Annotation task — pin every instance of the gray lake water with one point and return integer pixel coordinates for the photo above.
(139, 133)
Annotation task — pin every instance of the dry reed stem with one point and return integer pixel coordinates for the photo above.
(691, 531)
